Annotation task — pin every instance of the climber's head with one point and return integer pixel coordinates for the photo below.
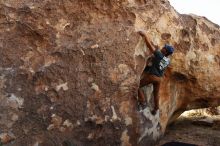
(167, 50)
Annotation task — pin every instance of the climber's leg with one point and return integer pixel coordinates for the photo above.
(156, 85)
(143, 82)
(148, 79)
(156, 95)
(141, 96)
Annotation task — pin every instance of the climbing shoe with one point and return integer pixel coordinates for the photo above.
(142, 105)
(154, 111)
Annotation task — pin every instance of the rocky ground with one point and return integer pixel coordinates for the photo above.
(195, 128)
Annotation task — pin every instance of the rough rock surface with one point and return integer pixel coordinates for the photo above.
(70, 69)
(200, 127)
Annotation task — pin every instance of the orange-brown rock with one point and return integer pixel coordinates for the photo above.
(82, 60)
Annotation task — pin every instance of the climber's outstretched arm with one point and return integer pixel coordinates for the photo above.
(149, 45)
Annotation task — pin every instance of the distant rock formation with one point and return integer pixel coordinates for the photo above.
(70, 70)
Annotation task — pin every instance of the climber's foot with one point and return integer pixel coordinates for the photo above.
(154, 111)
(142, 105)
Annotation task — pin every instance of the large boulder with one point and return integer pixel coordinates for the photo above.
(70, 70)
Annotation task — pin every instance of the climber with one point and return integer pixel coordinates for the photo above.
(154, 71)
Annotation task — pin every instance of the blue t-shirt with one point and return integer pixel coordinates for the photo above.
(158, 64)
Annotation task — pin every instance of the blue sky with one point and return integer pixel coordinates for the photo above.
(208, 8)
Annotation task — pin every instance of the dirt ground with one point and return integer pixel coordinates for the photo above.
(198, 129)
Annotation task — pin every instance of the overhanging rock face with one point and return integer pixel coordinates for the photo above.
(70, 70)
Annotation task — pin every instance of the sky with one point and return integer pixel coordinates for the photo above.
(208, 8)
